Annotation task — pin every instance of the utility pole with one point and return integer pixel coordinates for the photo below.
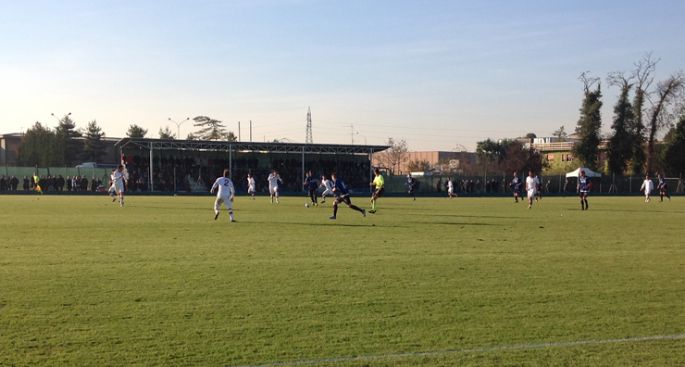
(239, 139)
(250, 130)
(308, 139)
(178, 126)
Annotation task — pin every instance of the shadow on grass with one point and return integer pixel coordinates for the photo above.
(474, 216)
(461, 224)
(334, 223)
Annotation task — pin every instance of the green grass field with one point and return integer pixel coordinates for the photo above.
(433, 282)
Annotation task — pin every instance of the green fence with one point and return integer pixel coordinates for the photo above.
(20, 172)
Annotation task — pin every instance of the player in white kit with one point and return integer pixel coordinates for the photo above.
(274, 179)
(112, 191)
(225, 193)
(119, 178)
(251, 186)
(450, 188)
(647, 187)
(327, 188)
(531, 188)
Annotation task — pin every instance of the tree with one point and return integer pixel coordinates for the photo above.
(230, 136)
(40, 147)
(135, 131)
(509, 156)
(620, 147)
(66, 133)
(667, 91)
(674, 154)
(209, 128)
(419, 166)
(642, 74)
(394, 156)
(531, 136)
(560, 133)
(166, 134)
(590, 122)
(191, 136)
(93, 146)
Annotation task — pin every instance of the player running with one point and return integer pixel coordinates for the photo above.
(662, 186)
(274, 179)
(251, 186)
(531, 188)
(342, 195)
(327, 188)
(112, 191)
(311, 185)
(411, 186)
(647, 187)
(120, 177)
(378, 185)
(225, 192)
(583, 188)
(515, 186)
(538, 188)
(450, 188)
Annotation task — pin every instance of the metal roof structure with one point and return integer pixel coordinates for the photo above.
(272, 147)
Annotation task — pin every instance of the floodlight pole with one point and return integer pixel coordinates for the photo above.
(178, 126)
(303, 174)
(152, 187)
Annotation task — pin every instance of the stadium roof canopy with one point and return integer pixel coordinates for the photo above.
(217, 145)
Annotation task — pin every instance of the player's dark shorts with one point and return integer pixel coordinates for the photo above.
(583, 193)
(663, 187)
(343, 199)
(378, 193)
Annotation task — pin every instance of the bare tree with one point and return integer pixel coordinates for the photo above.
(643, 75)
(394, 156)
(667, 93)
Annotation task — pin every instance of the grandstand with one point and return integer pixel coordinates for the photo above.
(191, 165)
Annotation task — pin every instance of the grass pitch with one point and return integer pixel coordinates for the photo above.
(432, 282)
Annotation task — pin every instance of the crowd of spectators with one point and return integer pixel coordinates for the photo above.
(188, 174)
(57, 183)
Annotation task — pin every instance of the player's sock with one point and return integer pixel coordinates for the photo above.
(230, 215)
(373, 204)
(587, 206)
(335, 210)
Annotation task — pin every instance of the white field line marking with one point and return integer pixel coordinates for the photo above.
(444, 352)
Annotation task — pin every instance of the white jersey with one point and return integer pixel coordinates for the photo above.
(450, 186)
(251, 186)
(274, 180)
(647, 186)
(119, 177)
(225, 186)
(531, 183)
(327, 184)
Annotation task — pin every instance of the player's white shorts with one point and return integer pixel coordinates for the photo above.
(226, 200)
(119, 188)
(450, 191)
(251, 190)
(327, 192)
(273, 190)
(531, 193)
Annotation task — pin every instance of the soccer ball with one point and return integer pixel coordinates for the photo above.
(306, 205)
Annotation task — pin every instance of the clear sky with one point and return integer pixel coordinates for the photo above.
(439, 74)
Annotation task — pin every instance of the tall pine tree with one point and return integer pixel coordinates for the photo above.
(589, 124)
(93, 146)
(674, 154)
(209, 128)
(66, 136)
(620, 149)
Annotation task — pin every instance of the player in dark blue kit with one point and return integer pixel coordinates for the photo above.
(411, 186)
(515, 186)
(662, 186)
(584, 186)
(342, 195)
(311, 185)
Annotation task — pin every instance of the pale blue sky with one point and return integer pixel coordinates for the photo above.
(437, 73)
